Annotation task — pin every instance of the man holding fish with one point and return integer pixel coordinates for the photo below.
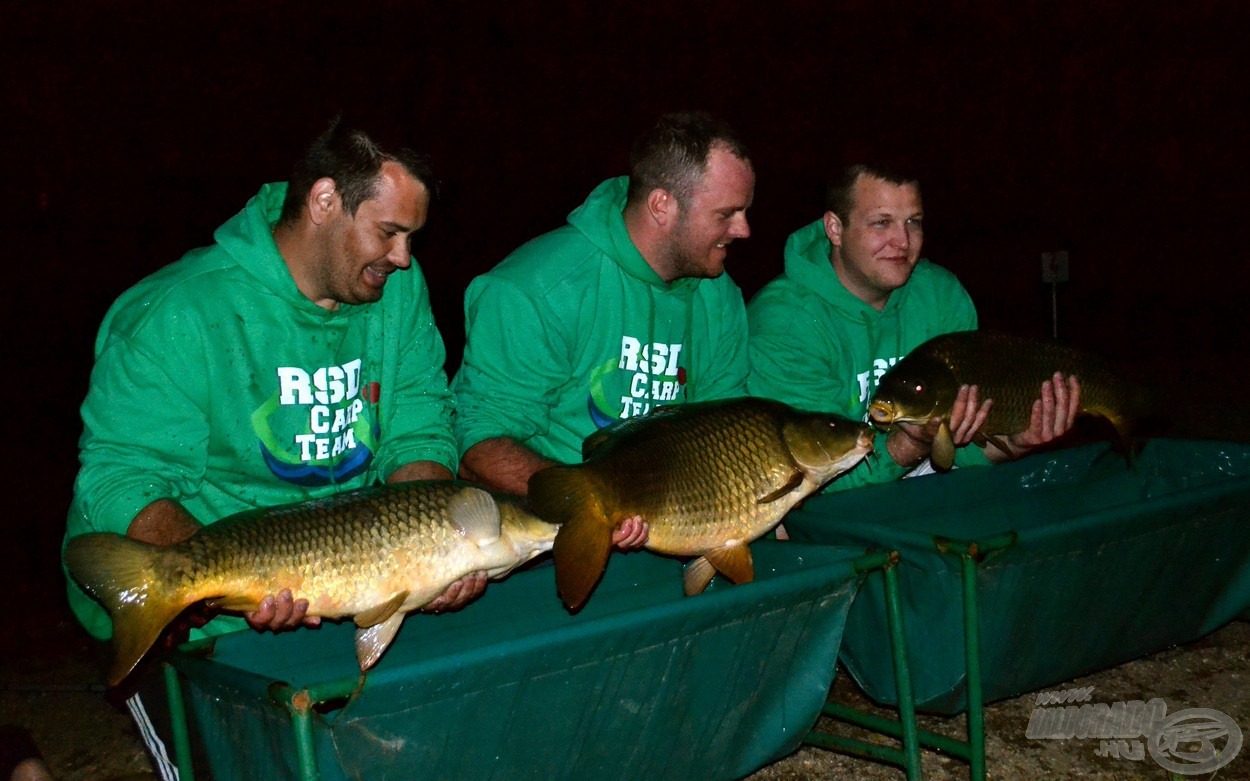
(856, 297)
(294, 359)
(625, 308)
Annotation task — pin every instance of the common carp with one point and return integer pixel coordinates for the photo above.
(708, 478)
(374, 554)
(1009, 370)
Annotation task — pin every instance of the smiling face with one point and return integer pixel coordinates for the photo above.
(361, 251)
(713, 216)
(876, 249)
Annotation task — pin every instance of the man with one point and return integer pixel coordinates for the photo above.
(855, 297)
(294, 358)
(625, 308)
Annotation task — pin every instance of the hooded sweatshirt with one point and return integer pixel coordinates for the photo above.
(574, 330)
(217, 383)
(815, 346)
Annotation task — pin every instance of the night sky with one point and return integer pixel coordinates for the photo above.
(1117, 131)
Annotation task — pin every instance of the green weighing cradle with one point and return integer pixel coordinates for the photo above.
(1024, 575)
(643, 683)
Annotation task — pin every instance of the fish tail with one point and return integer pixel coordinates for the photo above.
(123, 575)
(568, 496)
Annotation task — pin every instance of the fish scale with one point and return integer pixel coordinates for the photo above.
(379, 551)
(1008, 369)
(707, 477)
(1011, 370)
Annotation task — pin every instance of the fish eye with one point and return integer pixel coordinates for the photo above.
(919, 387)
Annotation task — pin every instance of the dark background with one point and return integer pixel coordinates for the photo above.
(1114, 130)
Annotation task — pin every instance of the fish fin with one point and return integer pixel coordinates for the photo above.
(475, 514)
(733, 561)
(943, 454)
(796, 479)
(625, 427)
(593, 442)
(696, 576)
(379, 613)
(568, 496)
(243, 603)
(123, 574)
(991, 439)
(372, 641)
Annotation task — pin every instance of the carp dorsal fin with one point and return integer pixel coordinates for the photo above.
(623, 428)
(372, 641)
(733, 560)
(379, 613)
(795, 480)
(943, 453)
(475, 514)
(696, 576)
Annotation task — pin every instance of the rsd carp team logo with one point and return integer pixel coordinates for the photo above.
(318, 427)
(641, 377)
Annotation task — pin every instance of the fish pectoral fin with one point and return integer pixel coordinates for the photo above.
(796, 480)
(990, 439)
(372, 641)
(243, 603)
(943, 453)
(696, 576)
(733, 561)
(379, 613)
(475, 514)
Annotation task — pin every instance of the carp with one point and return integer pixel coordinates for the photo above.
(373, 554)
(708, 478)
(1009, 370)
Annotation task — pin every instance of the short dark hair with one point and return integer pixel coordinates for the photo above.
(840, 195)
(353, 159)
(672, 154)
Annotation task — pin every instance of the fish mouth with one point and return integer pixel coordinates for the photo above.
(882, 412)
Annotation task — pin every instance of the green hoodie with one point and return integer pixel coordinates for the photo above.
(218, 384)
(574, 330)
(816, 346)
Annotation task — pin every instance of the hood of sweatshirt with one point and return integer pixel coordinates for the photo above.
(601, 219)
(248, 238)
(808, 263)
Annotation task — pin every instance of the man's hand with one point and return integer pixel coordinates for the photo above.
(911, 443)
(631, 534)
(281, 613)
(1053, 416)
(967, 415)
(458, 594)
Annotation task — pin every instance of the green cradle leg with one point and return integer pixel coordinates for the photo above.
(902, 672)
(905, 727)
(178, 724)
(300, 705)
(969, 554)
(972, 650)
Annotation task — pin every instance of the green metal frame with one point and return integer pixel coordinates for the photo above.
(905, 727)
